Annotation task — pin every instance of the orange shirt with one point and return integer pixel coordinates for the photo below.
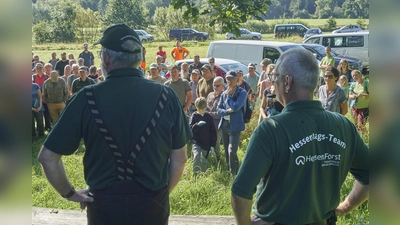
(179, 51)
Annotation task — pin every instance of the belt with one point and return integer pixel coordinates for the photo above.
(124, 187)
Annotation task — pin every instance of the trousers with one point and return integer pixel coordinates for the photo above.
(128, 203)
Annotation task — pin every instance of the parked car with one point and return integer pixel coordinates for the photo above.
(287, 30)
(244, 34)
(348, 29)
(144, 36)
(223, 64)
(312, 31)
(347, 44)
(319, 52)
(249, 51)
(186, 34)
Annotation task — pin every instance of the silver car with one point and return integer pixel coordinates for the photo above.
(144, 36)
(244, 34)
(348, 29)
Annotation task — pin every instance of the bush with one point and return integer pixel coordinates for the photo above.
(330, 24)
(42, 32)
(361, 22)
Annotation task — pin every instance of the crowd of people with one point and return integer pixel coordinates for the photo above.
(197, 103)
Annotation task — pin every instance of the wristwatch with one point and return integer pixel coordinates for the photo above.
(70, 193)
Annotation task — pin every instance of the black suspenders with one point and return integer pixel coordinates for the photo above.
(125, 165)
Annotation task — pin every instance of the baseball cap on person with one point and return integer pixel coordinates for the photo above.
(114, 37)
(207, 66)
(39, 65)
(251, 65)
(231, 73)
(153, 66)
(266, 62)
(85, 45)
(83, 68)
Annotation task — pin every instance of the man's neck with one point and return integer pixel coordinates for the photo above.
(252, 74)
(40, 74)
(83, 78)
(174, 79)
(154, 76)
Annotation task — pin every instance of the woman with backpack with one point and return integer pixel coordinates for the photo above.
(359, 99)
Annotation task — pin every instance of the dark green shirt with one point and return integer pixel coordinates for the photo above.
(300, 159)
(126, 101)
(78, 84)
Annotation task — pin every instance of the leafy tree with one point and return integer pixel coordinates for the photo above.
(102, 6)
(151, 5)
(42, 32)
(324, 8)
(64, 29)
(330, 24)
(91, 4)
(228, 13)
(88, 24)
(356, 8)
(41, 10)
(130, 12)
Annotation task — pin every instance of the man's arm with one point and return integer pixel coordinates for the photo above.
(189, 99)
(177, 162)
(187, 53)
(358, 195)
(241, 208)
(173, 53)
(55, 173)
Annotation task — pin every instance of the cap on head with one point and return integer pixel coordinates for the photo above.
(196, 71)
(239, 71)
(39, 65)
(266, 62)
(251, 65)
(207, 66)
(85, 45)
(83, 68)
(153, 66)
(159, 57)
(231, 73)
(114, 37)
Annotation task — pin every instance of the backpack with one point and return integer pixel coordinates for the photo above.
(247, 111)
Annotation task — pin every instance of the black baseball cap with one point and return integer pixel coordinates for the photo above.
(114, 37)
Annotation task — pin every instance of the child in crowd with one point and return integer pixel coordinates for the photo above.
(204, 136)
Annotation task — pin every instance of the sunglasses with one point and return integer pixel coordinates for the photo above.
(328, 76)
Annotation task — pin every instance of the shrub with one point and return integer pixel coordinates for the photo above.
(42, 32)
(330, 24)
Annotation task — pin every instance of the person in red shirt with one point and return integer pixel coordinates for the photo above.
(161, 53)
(179, 52)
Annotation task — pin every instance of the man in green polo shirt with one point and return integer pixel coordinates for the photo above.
(82, 81)
(326, 61)
(135, 133)
(298, 160)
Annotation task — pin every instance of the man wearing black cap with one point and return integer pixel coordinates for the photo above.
(205, 84)
(135, 133)
(87, 56)
(82, 81)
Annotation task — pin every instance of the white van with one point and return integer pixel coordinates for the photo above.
(249, 51)
(345, 44)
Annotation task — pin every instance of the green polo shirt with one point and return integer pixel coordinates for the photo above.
(126, 101)
(297, 161)
(78, 84)
(326, 61)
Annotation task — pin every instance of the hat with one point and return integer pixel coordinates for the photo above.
(231, 73)
(159, 57)
(266, 62)
(63, 53)
(196, 71)
(239, 71)
(114, 37)
(83, 68)
(85, 45)
(153, 66)
(39, 64)
(251, 65)
(207, 66)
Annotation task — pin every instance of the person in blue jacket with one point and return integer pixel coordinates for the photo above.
(231, 108)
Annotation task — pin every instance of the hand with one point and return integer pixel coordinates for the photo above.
(211, 150)
(201, 123)
(81, 197)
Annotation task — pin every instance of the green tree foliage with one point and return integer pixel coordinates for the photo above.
(151, 5)
(41, 11)
(64, 29)
(102, 6)
(91, 4)
(228, 13)
(330, 24)
(169, 18)
(324, 8)
(42, 32)
(88, 25)
(130, 12)
(356, 8)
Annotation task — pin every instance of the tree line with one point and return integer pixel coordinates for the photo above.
(83, 20)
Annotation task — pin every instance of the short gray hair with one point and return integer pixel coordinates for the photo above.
(301, 65)
(218, 79)
(125, 59)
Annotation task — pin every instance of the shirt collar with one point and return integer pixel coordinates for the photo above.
(303, 104)
(124, 72)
